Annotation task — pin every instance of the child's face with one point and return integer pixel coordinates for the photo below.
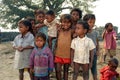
(39, 42)
(110, 28)
(113, 66)
(91, 23)
(75, 15)
(66, 24)
(49, 18)
(40, 18)
(22, 28)
(80, 30)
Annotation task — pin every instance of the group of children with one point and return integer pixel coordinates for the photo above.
(45, 43)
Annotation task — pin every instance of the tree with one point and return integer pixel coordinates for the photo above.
(14, 10)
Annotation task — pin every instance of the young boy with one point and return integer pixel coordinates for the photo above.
(109, 72)
(51, 22)
(90, 19)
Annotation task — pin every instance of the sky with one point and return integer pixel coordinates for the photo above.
(107, 11)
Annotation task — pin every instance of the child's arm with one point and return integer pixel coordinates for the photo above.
(91, 58)
(72, 56)
(91, 51)
(97, 47)
(103, 34)
(51, 61)
(32, 61)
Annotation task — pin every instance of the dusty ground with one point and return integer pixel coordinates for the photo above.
(7, 72)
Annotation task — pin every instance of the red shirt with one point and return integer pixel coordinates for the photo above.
(107, 74)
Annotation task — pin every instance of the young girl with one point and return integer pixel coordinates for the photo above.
(109, 36)
(93, 34)
(62, 51)
(82, 50)
(41, 59)
(23, 44)
(41, 27)
(109, 72)
(32, 20)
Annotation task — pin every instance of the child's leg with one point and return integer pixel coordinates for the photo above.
(85, 71)
(50, 42)
(94, 68)
(76, 70)
(58, 69)
(31, 74)
(65, 74)
(21, 75)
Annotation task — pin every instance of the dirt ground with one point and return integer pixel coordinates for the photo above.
(7, 72)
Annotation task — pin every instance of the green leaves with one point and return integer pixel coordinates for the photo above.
(14, 10)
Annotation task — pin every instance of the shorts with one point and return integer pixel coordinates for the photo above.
(62, 60)
(110, 52)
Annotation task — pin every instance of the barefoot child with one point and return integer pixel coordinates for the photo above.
(41, 59)
(109, 72)
(41, 27)
(82, 51)
(109, 36)
(90, 19)
(62, 50)
(51, 22)
(23, 44)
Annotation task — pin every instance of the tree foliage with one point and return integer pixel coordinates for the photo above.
(14, 10)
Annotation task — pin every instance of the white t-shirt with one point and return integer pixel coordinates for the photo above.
(82, 47)
(52, 28)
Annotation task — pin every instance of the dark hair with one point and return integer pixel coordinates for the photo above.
(88, 17)
(66, 16)
(77, 10)
(30, 19)
(50, 12)
(27, 24)
(85, 25)
(113, 60)
(42, 35)
(37, 12)
(107, 25)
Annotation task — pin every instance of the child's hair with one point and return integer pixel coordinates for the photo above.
(42, 35)
(113, 60)
(27, 23)
(66, 17)
(77, 10)
(84, 24)
(50, 12)
(30, 19)
(37, 12)
(107, 25)
(88, 17)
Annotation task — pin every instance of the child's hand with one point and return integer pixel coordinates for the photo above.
(20, 49)
(31, 70)
(90, 65)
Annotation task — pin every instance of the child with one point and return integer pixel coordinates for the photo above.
(41, 27)
(109, 36)
(62, 51)
(32, 20)
(90, 19)
(82, 50)
(51, 22)
(76, 14)
(41, 59)
(23, 44)
(109, 72)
